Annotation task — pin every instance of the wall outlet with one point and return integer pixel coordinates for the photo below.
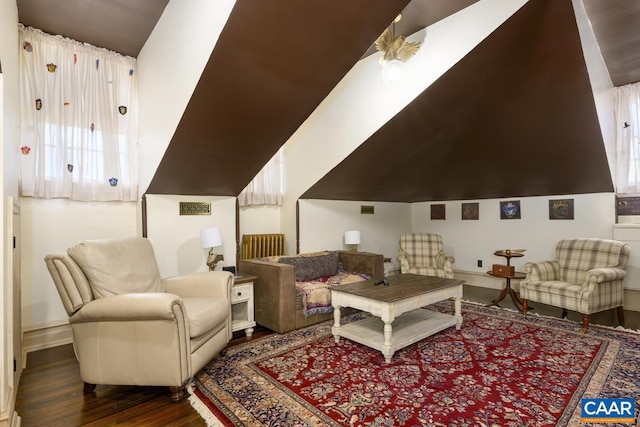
(479, 263)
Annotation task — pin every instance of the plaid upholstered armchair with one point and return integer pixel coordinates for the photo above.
(586, 277)
(423, 253)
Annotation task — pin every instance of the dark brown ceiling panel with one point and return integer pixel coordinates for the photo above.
(515, 117)
(274, 62)
(119, 25)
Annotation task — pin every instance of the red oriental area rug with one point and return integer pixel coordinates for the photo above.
(500, 369)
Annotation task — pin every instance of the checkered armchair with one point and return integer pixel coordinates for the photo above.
(423, 253)
(586, 277)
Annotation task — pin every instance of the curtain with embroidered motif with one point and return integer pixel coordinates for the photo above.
(78, 114)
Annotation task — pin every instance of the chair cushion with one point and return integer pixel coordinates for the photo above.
(205, 314)
(118, 266)
(553, 287)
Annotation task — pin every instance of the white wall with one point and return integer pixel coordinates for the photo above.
(472, 240)
(603, 92)
(360, 104)
(259, 219)
(176, 238)
(9, 132)
(323, 223)
(50, 226)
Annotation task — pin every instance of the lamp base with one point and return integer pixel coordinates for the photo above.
(213, 259)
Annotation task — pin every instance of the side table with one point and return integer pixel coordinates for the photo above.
(516, 275)
(242, 304)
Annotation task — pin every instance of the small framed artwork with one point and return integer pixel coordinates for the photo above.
(438, 211)
(471, 211)
(510, 209)
(561, 209)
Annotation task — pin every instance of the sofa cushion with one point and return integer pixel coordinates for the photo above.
(313, 267)
(137, 269)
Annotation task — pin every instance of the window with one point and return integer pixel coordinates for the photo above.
(627, 115)
(78, 112)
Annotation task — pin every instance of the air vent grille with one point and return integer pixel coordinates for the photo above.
(195, 208)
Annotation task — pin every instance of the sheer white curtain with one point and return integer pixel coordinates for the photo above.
(78, 113)
(627, 114)
(267, 187)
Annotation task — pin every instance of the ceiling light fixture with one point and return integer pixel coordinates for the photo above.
(395, 51)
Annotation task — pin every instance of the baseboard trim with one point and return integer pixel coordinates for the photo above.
(483, 280)
(39, 337)
(9, 417)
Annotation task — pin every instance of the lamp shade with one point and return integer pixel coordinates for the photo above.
(352, 237)
(210, 237)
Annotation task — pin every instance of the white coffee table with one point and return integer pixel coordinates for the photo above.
(399, 319)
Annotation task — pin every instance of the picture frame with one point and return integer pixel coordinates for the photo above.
(510, 209)
(438, 211)
(470, 211)
(561, 209)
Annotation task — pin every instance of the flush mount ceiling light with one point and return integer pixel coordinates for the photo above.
(395, 51)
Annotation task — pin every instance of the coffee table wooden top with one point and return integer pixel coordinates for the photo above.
(400, 286)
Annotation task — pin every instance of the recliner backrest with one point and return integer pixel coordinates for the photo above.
(421, 248)
(577, 256)
(118, 266)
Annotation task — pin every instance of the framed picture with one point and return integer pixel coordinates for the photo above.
(471, 211)
(438, 211)
(561, 209)
(510, 209)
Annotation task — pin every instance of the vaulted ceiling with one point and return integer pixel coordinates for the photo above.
(514, 117)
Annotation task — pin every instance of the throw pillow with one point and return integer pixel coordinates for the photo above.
(118, 266)
(313, 267)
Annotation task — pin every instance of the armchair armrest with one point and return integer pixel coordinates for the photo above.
(204, 284)
(445, 262)
(403, 259)
(131, 308)
(602, 275)
(541, 271)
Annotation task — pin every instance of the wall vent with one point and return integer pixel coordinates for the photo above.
(366, 210)
(195, 208)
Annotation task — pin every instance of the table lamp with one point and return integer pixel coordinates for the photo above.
(352, 238)
(211, 238)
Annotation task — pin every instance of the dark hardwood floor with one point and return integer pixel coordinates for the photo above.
(50, 390)
(50, 394)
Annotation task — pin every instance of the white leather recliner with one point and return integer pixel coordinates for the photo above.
(131, 327)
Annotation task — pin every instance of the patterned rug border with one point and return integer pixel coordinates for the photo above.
(591, 384)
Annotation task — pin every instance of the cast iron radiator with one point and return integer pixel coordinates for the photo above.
(261, 245)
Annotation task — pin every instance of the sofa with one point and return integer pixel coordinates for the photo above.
(293, 292)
